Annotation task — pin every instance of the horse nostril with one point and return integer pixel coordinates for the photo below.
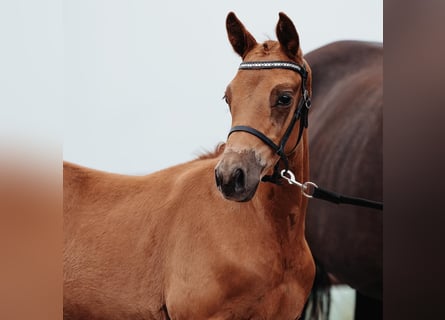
(217, 179)
(239, 178)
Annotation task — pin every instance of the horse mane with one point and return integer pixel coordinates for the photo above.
(219, 149)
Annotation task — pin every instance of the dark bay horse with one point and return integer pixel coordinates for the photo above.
(175, 245)
(346, 156)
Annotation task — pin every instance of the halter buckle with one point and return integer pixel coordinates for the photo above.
(307, 99)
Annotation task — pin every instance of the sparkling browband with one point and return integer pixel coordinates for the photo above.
(273, 65)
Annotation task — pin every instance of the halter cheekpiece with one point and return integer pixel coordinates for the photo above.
(301, 112)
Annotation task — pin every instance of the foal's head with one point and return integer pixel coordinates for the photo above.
(265, 98)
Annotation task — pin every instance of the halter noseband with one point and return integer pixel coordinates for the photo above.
(300, 112)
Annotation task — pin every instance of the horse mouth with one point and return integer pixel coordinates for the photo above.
(237, 176)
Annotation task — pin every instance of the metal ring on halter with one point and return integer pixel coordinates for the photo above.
(312, 188)
(305, 95)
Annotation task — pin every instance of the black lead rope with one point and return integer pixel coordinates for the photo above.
(330, 196)
(311, 190)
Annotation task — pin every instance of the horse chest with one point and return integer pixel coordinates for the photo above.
(251, 286)
(238, 298)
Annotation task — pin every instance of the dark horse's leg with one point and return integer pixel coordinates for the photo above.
(319, 301)
(367, 308)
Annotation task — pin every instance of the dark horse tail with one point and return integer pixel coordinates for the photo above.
(319, 301)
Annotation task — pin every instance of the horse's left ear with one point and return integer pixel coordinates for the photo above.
(241, 39)
(287, 36)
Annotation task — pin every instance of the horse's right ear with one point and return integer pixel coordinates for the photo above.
(288, 36)
(242, 41)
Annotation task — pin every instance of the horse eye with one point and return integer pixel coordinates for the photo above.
(226, 99)
(284, 100)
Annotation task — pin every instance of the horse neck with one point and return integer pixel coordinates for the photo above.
(285, 204)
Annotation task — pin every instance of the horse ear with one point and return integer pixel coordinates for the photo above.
(287, 36)
(242, 41)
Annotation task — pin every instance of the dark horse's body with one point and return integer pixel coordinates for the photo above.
(345, 139)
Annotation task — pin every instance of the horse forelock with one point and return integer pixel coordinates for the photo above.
(271, 50)
(269, 45)
(264, 49)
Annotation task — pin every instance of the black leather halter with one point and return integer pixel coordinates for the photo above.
(301, 113)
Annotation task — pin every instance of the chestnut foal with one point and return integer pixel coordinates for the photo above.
(172, 245)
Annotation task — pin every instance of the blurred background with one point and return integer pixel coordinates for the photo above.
(144, 81)
(124, 86)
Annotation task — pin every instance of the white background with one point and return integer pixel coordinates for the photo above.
(136, 86)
